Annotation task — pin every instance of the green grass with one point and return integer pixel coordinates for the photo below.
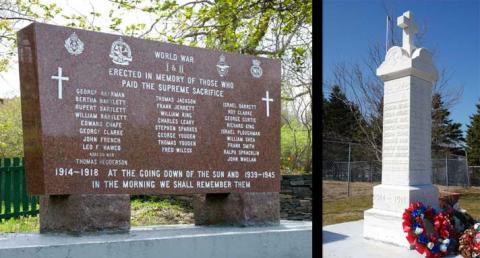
(345, 209)
(145, 211)
(156, 211)
(23, 224)
(471, 203)
(351, 209)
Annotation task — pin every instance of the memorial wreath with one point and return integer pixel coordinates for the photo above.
(427, 229)
(470, 242)
(460, 220)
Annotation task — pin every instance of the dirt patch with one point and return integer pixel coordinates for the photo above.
(338, 189)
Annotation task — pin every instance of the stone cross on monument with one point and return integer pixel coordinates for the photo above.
(267, 100)
(60, 79)
(408, 74)
(409, 29)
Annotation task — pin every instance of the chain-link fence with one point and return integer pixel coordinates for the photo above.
(351, 162)
(474, 175)
(360, 171)
(450, 171)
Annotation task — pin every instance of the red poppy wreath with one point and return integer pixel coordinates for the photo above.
(470, 242)
(427, 230)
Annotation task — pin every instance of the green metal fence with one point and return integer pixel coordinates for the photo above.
(14, 200)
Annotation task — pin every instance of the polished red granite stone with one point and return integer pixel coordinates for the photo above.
(83, 213)
(104, 113)
(237, 209)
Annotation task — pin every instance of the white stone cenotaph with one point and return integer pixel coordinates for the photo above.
(408, 73)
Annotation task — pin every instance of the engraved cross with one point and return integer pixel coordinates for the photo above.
(60, 80)
(267, 100)
(409, 30)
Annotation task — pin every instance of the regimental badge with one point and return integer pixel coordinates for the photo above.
(222, 66)
(74, 45)
(120, 52)
(256, 70)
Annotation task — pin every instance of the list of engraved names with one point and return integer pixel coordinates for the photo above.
(140, 116)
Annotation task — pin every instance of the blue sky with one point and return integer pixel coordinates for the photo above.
(350, 27)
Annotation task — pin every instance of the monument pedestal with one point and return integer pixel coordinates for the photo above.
(408, 73)
(384, 226)
(384, 221)
(76, 214)
(237, 209)
(396, 198)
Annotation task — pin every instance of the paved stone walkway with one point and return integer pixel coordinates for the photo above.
(345, 240)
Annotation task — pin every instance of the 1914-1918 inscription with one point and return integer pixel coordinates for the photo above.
(104, 113)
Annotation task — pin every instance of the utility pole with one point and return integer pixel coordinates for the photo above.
(348, 169)
(466, 166)
(446, 169)
(386, 35)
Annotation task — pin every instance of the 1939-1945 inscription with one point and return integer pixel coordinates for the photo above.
(104, 113)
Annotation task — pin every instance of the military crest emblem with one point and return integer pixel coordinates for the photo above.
(256, 70)
(120, 52)
(222, 66)
(74, 45)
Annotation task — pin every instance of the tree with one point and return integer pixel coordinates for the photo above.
(447, 136)
(295, 145)
(340, 118)
(13, 14)
(11, 136)
(473, 139)
(237, 26)
(341, 136)
(366, 91)
(275, 29)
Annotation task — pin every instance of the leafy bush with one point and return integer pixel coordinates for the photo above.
(295, 149)
(11, 135)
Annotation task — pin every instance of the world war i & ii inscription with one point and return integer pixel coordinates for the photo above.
(111, 114)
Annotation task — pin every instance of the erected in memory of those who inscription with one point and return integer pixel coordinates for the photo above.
(105, 113)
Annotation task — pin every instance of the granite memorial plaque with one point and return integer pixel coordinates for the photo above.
(104, 113)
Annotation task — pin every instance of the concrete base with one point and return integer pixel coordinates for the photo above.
(81, 213)
(397, 198)
(237, 209)
(346, 240)
(384, 221)
(384, 226)
(288, 240)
